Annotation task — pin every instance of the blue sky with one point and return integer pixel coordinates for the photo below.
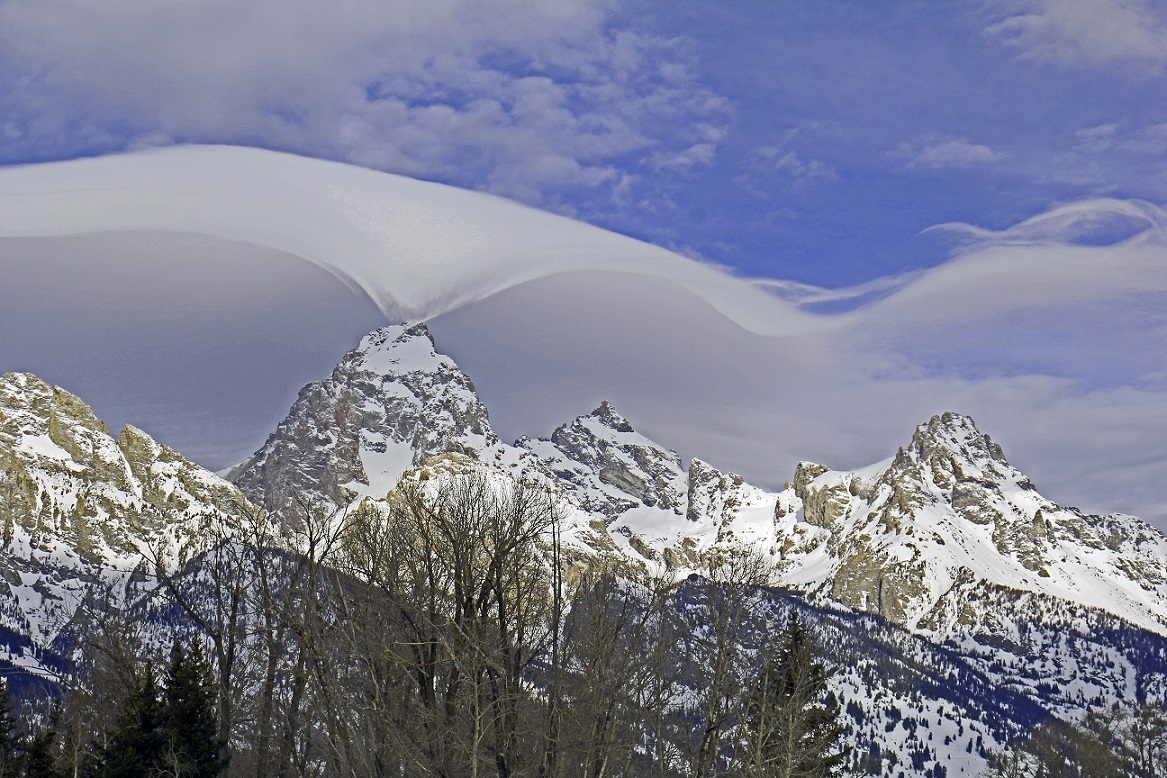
(809, 141)
(821, 145)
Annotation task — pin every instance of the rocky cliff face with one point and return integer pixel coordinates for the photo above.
(902, 539)
(604, 466)
(390, 403)
(906, 537)
(945, 539)
(75, 502)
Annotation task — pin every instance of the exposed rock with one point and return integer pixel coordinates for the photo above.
(392, 402)
(604, 465)
(77, 505)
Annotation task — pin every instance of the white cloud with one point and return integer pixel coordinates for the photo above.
(518, 96)
(942, 153)
(1050, 333)
(1083, 32)
(1096, 139)
(780, 161)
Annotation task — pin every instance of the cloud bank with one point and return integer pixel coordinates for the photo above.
(520, 97)
(1084, 32)
(1050, 333)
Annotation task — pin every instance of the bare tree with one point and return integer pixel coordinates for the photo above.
(461, 563)
(737, 575)
(1143, 741)
(791, 728)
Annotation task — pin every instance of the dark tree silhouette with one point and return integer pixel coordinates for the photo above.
(169, 731)
(791, 728)
(193, 747)
(135, 747)
(9, 737)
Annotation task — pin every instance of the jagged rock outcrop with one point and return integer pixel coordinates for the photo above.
(900, 538)
(605, 466)
(390, 403)
(64, 479)
(945, 539)
(76, 503)
(909, 535)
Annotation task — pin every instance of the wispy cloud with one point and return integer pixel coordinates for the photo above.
(943, 153)
(1083, 32)
(520, 97)
(1096, 139)
(782, 163)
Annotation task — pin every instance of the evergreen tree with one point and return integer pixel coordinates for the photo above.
(9, 737)
(167, 732)
(791, 728)
(39, 761)
(136, 746)
(193, 747)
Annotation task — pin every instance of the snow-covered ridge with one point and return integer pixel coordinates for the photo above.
(392, 401)
(944, 538)
(75, 503)
(911, 538)
(906, 539)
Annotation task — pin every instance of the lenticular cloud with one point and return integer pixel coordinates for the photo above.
(1050, 334)
(417, 249)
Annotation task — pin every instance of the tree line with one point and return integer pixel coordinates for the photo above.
(446, 631)
(1120, 741)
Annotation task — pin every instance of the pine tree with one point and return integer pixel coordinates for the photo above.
(167, 732)
(9, 737)
(136, 746)
(193, 747)
(791, 727)
(38, 759)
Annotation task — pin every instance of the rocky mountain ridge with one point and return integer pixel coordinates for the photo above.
(906, 539)
(79, 507)
(938, 575)
(391, 401)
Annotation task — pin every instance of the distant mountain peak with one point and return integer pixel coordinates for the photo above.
(955, 434)
(945, 453)
(607, 414)
(74, 498)
(391, 402)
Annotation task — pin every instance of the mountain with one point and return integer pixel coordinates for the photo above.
(913, 537)
(390, 402)
(81, 509)
(916, 539)
(939, 580)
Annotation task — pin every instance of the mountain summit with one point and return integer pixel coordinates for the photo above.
(915, 539)
(391, 402)
(79, 507)
(941, 572)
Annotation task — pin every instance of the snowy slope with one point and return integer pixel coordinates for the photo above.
(914, 538)
(78, 506)
(604, 466)
(391, 402)
(941, 581)
(908, 538)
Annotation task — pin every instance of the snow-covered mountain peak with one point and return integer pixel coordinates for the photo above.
(956, 434)
(75, 504)
(396, 350)
(607, 416)
(949, 449)
(393, 401)
(606, 466)
(911, 538)
(34, 408)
